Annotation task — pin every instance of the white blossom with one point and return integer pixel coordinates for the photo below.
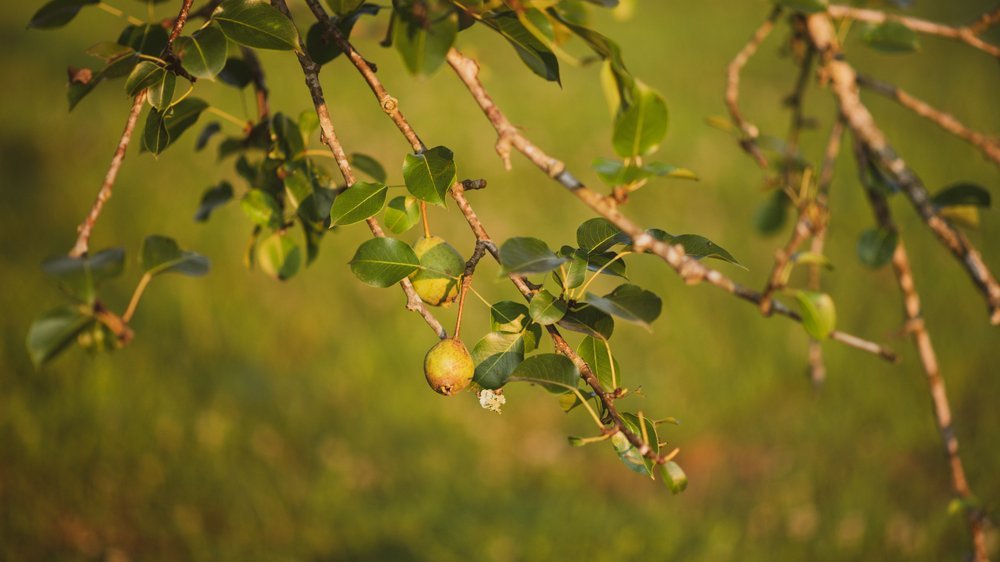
(491, 400)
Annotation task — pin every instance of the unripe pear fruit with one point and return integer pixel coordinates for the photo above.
(449, 367)
(440, 268)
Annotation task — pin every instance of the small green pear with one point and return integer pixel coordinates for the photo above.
(449, 367)
(440, 268)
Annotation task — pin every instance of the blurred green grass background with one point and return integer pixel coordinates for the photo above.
(254, 420)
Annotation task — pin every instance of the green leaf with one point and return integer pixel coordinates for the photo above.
(57, 13)
(597, 353)
(115, 68)
(624, 84)
(554, 372)
(236, 73)
(535, 54)
(528, 255)
(700, 247)
(640, 127)
(876, 246)
(288, 137)
(383, 262)
(589, 320)
(496, 356)
(145, 75)
(615, 172)
(402, 214)
(962, 194)
(262, 208)
(81, 276)
(342, 7)
(770, 215)
(573, 273)
(254, 23)
(424, 42)
(607, 264)
(509, 317)
(164, 128)
(279, 256)
(162, 93)
(148, 39)
(819, 316)
(545, 308)
(892, 36)
(357, 203)
(54, 331)
(804, 6)
(598, 235)
(213, 197)
(371, 166)
(429, 175)
(673, 477)
(162, 255)
(155, 136)
(298, 189)
(629, 302)
(628, 454)
(204, 53)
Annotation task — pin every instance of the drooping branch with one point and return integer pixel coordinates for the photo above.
(81, 246)
(990, 147)
(483, 240)
(559, 343)
(748, 130)
(843, 82)
(917, 329)
(966, 34)
(690, 270)
(389, 104)
(329, 137)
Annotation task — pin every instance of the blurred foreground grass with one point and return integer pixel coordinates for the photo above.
(252, 420)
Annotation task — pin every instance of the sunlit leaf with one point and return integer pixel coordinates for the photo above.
(383, 262)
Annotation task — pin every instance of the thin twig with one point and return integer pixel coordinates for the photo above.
(389, 104)
(748, 130)
(81, 247)
(690, 270)
(843, 81)
(967, 35)
(917, 328)
(329, 137)
(985, 21)
(989, 147)
(470, 270)
(178, 23)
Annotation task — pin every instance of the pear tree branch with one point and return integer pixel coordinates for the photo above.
(310, 70)
(843, 82)
(689, 269)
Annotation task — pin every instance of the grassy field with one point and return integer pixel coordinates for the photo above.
(256, 420)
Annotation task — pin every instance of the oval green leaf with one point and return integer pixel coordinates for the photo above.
(876, 246)
(161, 254)
(629, 302)
(429, 175)
(255, 23)
(54, 331)
(554, 372)
(496, 356)
(545, 308)
(204, 53)
(383, 262)
(528, 255)
(279, 256)
(640, 127)
(402, 214)
(357, 203)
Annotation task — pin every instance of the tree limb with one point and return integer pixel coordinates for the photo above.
(966, 34)
(843, 81)
(690, 270)
(329, 137)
